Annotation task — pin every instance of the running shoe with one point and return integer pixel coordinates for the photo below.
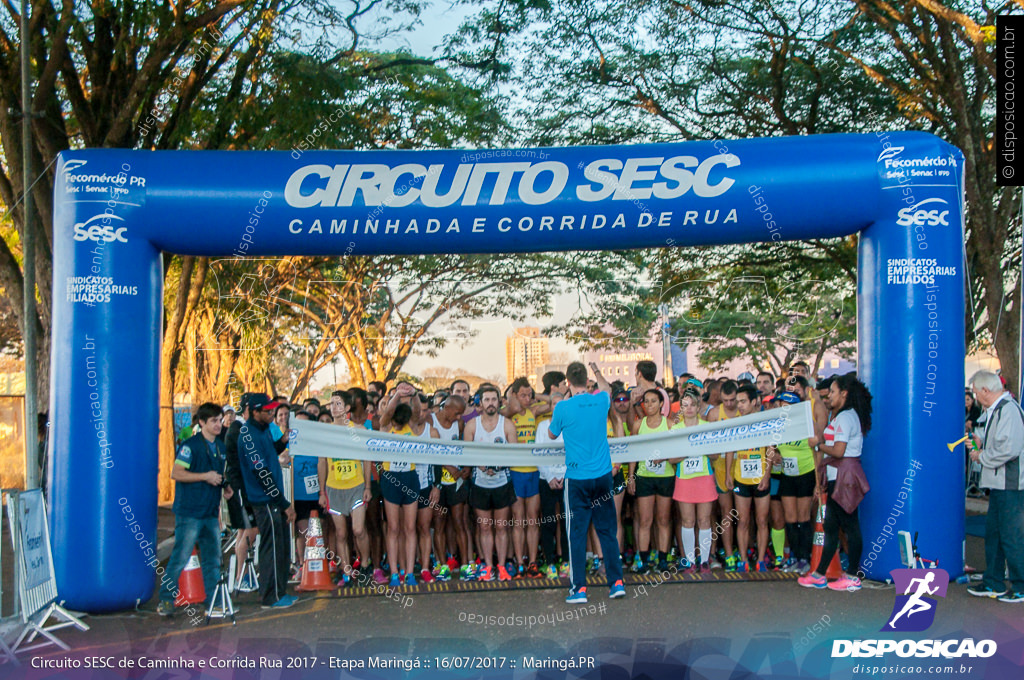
(589, 565)
(812, 580)
(410, 580)
(618, 590)
(165, 608)
(443, 573)
(396, 581)
(705, 568)
(671, 557)
(577, 596)
(688, 567)
(551, 571)
(714, 564)
(283, 603)
(663, 565)
(503, 574)
(356, 563)
(295, 574)
(730, 563)
(638, 565)
(743, 565)
(594, 566)
(247, 584)
(845, 582)
(533, 572)
(426, 576)
(1012, 597)
(485, 574)
(379, 577)
(779, 563)
(763, 566)
(467, 572)
(520, 572)
(789, 566)
(563, 570)
(453, 564)
(982, 590)
(802, 567)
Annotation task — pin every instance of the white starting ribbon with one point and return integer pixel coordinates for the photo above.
(324, 440)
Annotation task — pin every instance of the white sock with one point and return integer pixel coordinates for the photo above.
(705, 545)
(688, 543)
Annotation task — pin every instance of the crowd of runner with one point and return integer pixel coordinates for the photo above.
(403, 524)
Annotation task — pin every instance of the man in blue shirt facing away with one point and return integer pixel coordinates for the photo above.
(582, 422)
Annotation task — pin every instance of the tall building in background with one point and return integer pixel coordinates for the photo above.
(525, 351)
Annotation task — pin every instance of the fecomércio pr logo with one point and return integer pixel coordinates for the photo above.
(913, 612)
(916, 590)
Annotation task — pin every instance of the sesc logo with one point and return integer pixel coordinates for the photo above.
(915, 611)
(100, 233)
(913, 216)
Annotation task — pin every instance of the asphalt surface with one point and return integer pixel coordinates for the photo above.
(722, 629)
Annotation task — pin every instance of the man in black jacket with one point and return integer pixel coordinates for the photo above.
(264, 486)
(239, 511)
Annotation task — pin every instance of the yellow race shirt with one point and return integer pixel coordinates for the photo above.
(526, 433)
(393, 466)
(748, 466)
(344, 474)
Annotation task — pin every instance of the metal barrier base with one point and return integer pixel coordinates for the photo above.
(36, 626)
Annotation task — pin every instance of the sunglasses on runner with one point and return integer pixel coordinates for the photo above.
(621, 399)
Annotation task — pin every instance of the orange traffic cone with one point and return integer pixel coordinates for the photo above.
(315, 575)
(835, 569)
(190, 583)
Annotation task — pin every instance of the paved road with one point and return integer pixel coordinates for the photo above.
(717, 628)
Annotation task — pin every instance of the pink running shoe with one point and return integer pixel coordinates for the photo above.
(846, 582)
(379, 577)
(812, 580)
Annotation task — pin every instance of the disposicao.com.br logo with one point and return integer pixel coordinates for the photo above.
(914, 611)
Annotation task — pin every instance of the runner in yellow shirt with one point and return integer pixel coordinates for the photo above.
(345, 492)
(695, 491)
(652, 482)
(747, 473)
(523, 412)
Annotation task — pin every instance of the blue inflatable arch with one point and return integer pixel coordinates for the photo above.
(116, 211)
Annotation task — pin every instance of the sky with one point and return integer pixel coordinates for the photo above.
(485, 354)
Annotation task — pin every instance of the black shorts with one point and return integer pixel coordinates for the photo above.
(303, 508)
(655, 486)
(801, 486)
(424, 500)
(450, 496)
(619, 483)
(751, 490)
(238, 518)
(492, 499)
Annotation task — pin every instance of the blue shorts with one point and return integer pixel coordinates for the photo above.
(400, 488)
(526, 484)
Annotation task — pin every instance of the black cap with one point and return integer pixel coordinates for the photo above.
(259, 400)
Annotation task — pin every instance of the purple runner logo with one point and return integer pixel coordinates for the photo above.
(914, 609)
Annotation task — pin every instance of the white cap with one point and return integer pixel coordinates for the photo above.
(229, 407)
